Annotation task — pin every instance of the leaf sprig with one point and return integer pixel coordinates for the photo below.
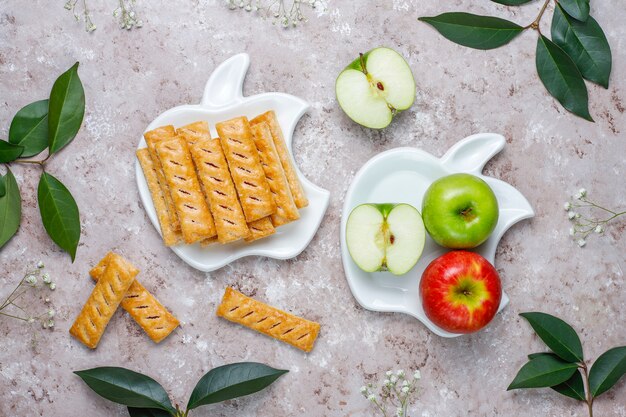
(578, 49)
(145, 397)
(564, 368)
(51, 123)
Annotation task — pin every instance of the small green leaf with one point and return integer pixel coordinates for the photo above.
(543, 371)
(9, 152)
(561, 78)
(585, 43)
(126, 387)
(560, 337)
(536, 355)
(59, 213)
(512, 2)
(66, 109)
(148, 412)
(573, 387)
(232, 381)
(479, 32)
(578, 9)
(607, 370)
(29, 128)
(10, 208)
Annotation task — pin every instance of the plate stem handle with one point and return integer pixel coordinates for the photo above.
(225, 85)
(472, 153)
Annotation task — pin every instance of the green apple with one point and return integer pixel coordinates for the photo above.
(374, 87)
(460, 211)
(385, 237)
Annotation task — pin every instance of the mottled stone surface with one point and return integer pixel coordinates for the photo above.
(132, 76)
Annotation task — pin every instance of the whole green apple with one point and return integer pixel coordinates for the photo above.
(460, 211)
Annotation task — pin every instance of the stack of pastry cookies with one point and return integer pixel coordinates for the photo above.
(241, 185)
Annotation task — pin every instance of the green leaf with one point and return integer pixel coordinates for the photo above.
(479, 32)
(66, 109)
(126, 387)
(561, 78)
(232, 381)
(59, 213)
(559, 336)
(9, 152)
(573, 387)
(148, 412)
(536, 355)
(512, 2)
(543, 371)
(607, 370)
(585, 43)
(578, 9)
(10, 208)
(3, 186)
(29, 128)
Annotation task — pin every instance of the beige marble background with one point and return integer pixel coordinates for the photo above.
(130, 77)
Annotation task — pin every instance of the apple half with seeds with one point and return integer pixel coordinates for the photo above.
(374, 87)
(385, 237)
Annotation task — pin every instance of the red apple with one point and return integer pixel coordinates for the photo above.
(460, 292)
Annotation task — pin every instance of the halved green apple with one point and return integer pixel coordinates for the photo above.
(374, 87)
(385, 237)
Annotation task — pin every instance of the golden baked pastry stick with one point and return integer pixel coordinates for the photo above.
(142, 306)
(219, 188)
(260, 228)
(170, 236)
(285, 156)
(103, 301)
(246, 170)
(268, 320)
(196, 221)
(286, 210)
(194, 132)
(153, 137)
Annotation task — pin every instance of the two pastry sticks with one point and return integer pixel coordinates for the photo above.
(241, 185)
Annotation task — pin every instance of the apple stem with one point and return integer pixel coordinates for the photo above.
(362, 63)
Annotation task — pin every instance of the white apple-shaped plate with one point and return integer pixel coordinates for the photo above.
(403, 175)
(222, 100)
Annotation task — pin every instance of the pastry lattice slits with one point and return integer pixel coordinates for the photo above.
(286, 209)
(268, 320)
(220, 190)
(193, 212)
(260, 228)
(194, 132)
(246, 170)
(103, 301)
(142, 306)
(153, 137)
(285, 157)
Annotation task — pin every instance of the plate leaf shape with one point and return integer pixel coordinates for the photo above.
(29, 128)
(543, 371)
(148, 412)
(559, 336)
(585, 43)
(561, 78)
(512, 2)
(607, 370)
(578, 9)
(59, 213)
(232, 381)
(9, 152)
(66, 109)
(127, 387)
(10, 207)
(474, 31)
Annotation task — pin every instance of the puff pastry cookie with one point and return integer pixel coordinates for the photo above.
(219, 188)
(196, 221)
(286, 210)
(285, 157)
(106, 296)
(194, 132)
(260, 228)
(142, 306)
(268, 320)
(245, 167)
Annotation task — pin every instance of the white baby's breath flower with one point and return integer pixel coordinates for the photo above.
(372, 398)
(363, 389)
(46, 300)
(399, 412)
(567, 206)
(40, 264)
(580, 194)
(51, 313)
(46, 278)
(389, 373)
(400, 373)
(571, 214)
(405, 389)
(599, 229)
(53, 286)
(31, 279)
(31, 320)
(44, 324)
(572, 231)
(581, 242)
(393, 379)
(386, 383)
(50, 324)
(417, 375)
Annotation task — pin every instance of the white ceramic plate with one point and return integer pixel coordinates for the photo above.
(222, 100)
(402, 175)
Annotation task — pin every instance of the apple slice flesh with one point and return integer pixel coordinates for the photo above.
(360, 101)
(407, 238)
(364, 237)
(390, 68)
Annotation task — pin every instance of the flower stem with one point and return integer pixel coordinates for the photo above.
(535, 23)
(588, 396)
